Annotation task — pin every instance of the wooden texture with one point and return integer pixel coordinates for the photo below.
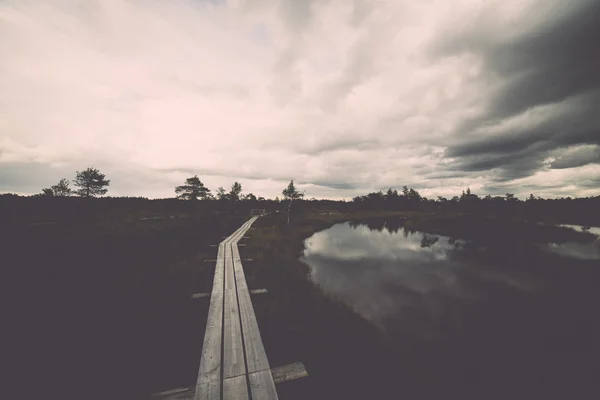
(233, 350)
(232, 331)
(289, 372)
(255, 351)
(256, 291)
(262, 386)
(210, 362)
(175, 394)
(208, 391)
(235, 388)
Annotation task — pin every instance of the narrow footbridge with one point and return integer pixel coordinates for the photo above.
(234, 364)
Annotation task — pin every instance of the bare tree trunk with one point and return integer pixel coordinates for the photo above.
(289, 206)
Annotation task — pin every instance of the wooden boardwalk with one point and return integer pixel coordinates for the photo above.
(234, 364)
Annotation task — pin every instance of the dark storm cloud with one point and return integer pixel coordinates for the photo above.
(555, 65)
(343, 97)
(513, 166)
(577, 158)
(500, 189)
(333, 185)
(520, 151)
(337, 145)
(590, 183)
(558, 60)
(574, 122)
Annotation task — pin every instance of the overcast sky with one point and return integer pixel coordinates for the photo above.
(344, 97)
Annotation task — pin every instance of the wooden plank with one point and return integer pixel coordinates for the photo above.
(179, 393)
(204, 295)
(219, 273)
(233, 350)
(235, 388)
(210, 362)
(262, 386)
(289, 372)
(255, 351)
(229, 277)
(208, 391)
(254, 291)
(171, 392)
(230, 312)
(256, 357)
(240, 232)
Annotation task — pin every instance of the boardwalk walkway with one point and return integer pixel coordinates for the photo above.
(233, 364)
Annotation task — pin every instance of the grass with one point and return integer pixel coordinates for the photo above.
(346, 357)
(103, 306)
(298, 322)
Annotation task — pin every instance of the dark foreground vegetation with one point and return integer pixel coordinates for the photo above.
(101, 309)
(523, 346)
(100, 292)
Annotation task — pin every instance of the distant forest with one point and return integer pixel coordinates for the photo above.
(39, 208)
(61, 203)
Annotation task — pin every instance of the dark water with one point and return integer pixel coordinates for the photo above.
(522, 317)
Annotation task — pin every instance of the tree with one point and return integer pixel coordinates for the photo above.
(250, 196)
(192, 190)
(236, 191)
(414, 195)
(290, 193)
(47, 192)
(510, 197)
(62, 188)
(91, 183)
(221, 194)
(468, 196)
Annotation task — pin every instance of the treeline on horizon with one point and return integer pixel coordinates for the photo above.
(38, 208)
(61, 202)
(581, 211)
(91, 183)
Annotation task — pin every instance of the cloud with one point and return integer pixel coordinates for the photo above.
(344, 97)
(542, 88)
(577, 156)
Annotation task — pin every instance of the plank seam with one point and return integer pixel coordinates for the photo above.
(211, 379)
(237, 297)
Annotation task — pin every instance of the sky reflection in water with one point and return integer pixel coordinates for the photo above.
(385, 275)
(582, 251)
